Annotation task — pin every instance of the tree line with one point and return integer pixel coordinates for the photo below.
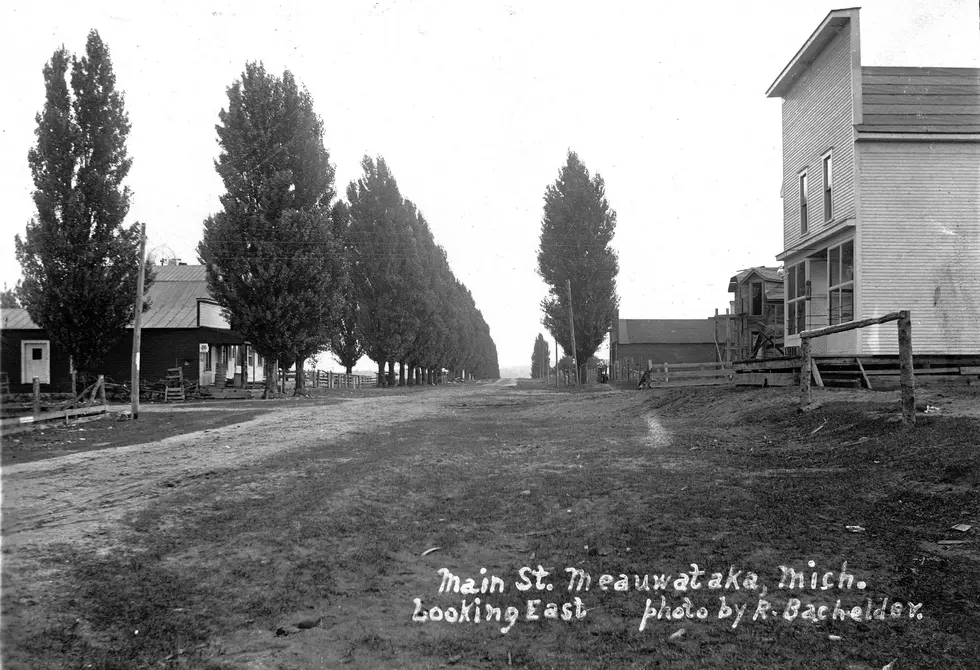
(297, 270)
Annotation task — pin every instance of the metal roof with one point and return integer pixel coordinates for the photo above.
(173, 298)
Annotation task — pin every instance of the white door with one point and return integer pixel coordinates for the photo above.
(35, 358)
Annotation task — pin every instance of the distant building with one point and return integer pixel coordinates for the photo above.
(183, 328)
(756, 322)
(881, 197)
(639, 341)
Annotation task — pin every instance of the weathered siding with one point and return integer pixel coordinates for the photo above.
(667, 353)
(936, 99)
(10, 353)
(817, 116)
(160, 349)
(920, 244)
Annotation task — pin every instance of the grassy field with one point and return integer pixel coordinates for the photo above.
(331, 552)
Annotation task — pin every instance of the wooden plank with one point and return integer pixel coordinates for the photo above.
(765, 379)
(901, 108)
(851, 325)
(845, 361)
(970, 370)
(864, 375)
(894, 381)
(689, 374)
(918, 89)
(908, 374)
(923, 79)
(923, 119)
(691, 382)
(816, 372)
(48, 416)
(805, 398)
(695, 366)
(927, 71)
(899, 98)
(767, 364)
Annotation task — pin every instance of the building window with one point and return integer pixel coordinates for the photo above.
(828, 183)
(841, 281)
(207, 359)
(755, 292)
(796, 299)
(804, 221)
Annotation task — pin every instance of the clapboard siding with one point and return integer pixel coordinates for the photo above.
(920, 244)
(914, 118)
(918, 89)
(817, 116)
(909, 99)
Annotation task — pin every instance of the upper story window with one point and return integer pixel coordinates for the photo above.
(756, 298)
(828, 186)
(841, 282)
(796, 295)
(804, 221)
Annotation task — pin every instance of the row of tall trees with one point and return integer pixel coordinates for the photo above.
(300, 272)
(576, 228)
(411, 309)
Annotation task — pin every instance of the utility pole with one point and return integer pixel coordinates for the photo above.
(571, 329)
(137, 321)
(556, 362)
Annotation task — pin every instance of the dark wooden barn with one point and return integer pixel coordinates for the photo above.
(659, 341)
(183, 328)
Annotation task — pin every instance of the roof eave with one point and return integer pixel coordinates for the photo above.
(810, 49)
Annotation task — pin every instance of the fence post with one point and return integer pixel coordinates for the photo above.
(905, 363)
(37, 397)
(805, 373)
(102, 400)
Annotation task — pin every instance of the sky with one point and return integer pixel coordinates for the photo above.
(474, 107)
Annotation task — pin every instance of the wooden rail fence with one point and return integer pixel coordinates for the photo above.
(339, 380)
(87, 405)
(809, 370)
(690, 374)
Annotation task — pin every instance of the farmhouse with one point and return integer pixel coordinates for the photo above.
(638, 341)
(756, 321)
(184, 328)
(881, 197)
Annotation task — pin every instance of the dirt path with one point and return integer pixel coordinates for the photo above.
(68, 498)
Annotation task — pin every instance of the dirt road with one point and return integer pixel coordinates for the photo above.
(66, 498)
(305, 537)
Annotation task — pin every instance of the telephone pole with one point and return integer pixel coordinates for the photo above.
(137, 321)
(571, 329)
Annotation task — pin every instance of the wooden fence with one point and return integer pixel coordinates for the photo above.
(88, 405)
(339, 380)
(690, 374)
(907, 376)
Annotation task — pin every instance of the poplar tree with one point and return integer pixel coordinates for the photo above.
(80, 262)
(273, 259)
(346, 343)
(375, 237)
(577, 226)
(540, 357)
